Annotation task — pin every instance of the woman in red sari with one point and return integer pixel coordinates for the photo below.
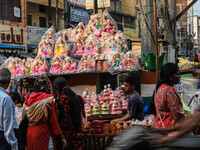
(39, 108)
(168, 104)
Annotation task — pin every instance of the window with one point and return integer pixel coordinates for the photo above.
(42, 22)
(29, 20)
(10, 10)
(42, 9)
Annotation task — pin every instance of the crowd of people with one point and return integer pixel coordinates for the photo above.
(54, 111)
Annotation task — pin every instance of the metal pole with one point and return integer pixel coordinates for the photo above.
(198, 30)
(66, 19)
(57, 20)
(95, 10)
(156, 39)
(50, 16)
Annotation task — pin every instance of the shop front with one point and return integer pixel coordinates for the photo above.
(13, 40)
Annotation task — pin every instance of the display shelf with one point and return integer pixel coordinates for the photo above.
(105, 117)
(112, 72)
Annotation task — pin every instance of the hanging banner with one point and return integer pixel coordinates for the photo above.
(78, 14)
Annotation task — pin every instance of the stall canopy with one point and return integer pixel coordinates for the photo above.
(12, 47)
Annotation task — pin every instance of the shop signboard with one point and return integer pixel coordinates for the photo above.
(101, 4)
(13, 36)
(78, 14)
(34, 36)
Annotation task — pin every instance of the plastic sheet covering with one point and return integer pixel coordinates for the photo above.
(39, 66)
(61, 47)
(46, 46)
(56, 65)
(189, 88)
(69, 65)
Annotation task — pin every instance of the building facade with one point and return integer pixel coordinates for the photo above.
(13, 32)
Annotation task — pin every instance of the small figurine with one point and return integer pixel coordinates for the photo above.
(105, 18)
(109, 28)
(45, 48)
(97, 22)
(24, 67)
(116, 61)
(56, 65)
(60, 48)
(79, 30)
(130, 60)
(78, 46)
(84, 63)
(17, 68)
(111, 44)
(43, 67)
(28, 65)
(69, 65)
(91, 45)
(35, 67)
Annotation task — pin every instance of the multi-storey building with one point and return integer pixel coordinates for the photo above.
(13, 33)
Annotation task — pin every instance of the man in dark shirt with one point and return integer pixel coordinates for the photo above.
(135, 103)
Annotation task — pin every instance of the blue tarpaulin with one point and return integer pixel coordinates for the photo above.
(11, 46)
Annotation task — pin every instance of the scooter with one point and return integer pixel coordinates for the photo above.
(140, 138)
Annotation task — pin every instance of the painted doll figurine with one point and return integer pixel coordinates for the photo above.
(28, 65)
(60, 48)
(84, 63)
(91, 21)
(105, 18)
(45, 48)
(104, 41)
(89, 31)
(131, 60)
(109, 28)
(69, 65)
(56, 65)
(105, 65)
(43, 67)
(112, 44)
(24, 67)
(78, 47)
(17, 68)
(90, 47)
(35, 68)
(79, 30)
(97, 22)
(116, 62)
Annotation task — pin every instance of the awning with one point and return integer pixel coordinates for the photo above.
(32, 45)
(12, 47)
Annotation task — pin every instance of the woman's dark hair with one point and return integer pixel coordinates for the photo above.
(16, 96)
(167, 71)
(42, 84)
(61, 85)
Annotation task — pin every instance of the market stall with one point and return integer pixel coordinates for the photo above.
(92, 55)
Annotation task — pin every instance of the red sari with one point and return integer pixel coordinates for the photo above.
(42, 121)
(168, 107)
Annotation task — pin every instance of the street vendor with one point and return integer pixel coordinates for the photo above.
(135, 103)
